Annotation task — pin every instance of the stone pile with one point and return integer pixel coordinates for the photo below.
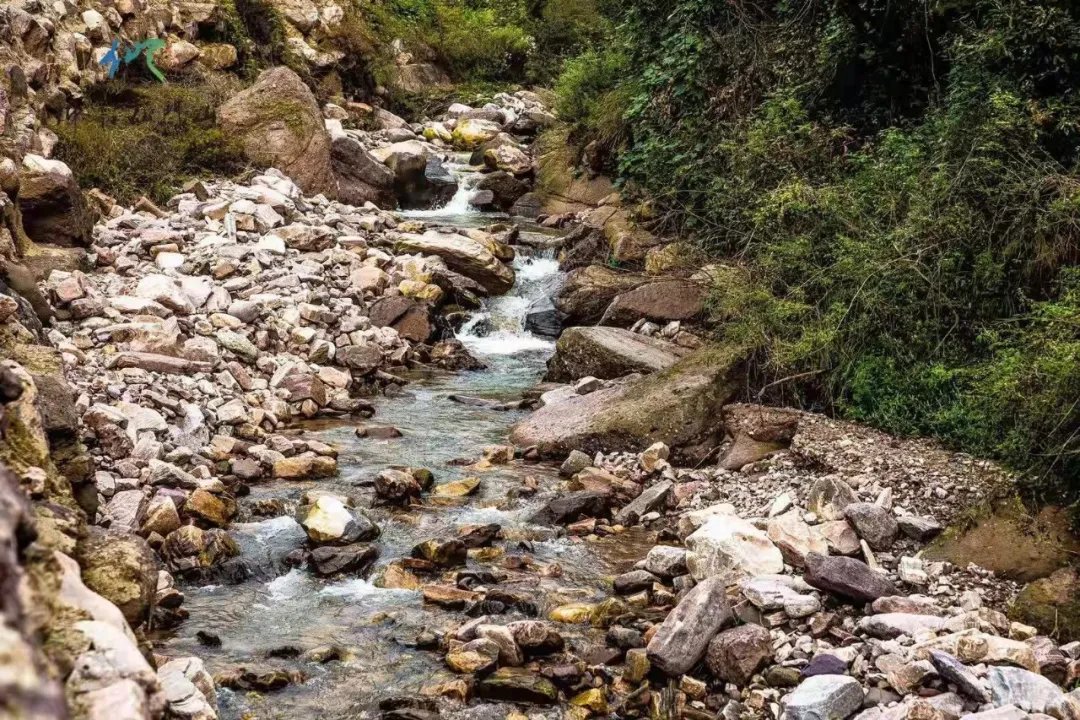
(209, 327)
(792, 580)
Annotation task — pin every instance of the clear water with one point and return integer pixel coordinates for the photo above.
(279, 606)
(457, 209)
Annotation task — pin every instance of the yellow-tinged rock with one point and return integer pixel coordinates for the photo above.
(458, 488)
(499, 454)
(460, 689)
(470, 133)
(637, 666)
(572, 613)
(398, 578)
(592, 699)
(418, 290)
(486, 554)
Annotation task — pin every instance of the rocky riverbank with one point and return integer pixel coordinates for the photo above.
(276, 449)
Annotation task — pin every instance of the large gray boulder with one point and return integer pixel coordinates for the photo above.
(661, 301)
(361, 177)
(679, 407)
(462, 255)
(684, 636)
(279, 124)
(608, 352)
(824, 697)
(847, 577)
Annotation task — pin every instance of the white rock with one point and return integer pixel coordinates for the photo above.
(731, 548)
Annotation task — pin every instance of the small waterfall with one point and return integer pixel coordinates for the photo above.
(500, 328)
(458, 206)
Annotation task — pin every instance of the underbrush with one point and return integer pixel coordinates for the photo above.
(901, 182)
(148, 139)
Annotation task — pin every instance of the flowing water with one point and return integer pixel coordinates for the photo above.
(457, 211)
(380, 629)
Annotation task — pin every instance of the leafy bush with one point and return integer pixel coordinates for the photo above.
(898, 177)
(149, 139)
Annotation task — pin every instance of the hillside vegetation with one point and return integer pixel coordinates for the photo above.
(900, 176)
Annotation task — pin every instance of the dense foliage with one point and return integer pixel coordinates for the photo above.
(518, 41)
(148, 139)
(900, 178)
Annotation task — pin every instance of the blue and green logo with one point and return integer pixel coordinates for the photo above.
(147, 48)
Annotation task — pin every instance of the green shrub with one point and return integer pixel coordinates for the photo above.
(149, 139)
(898, 178)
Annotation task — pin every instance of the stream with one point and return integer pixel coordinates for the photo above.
(277, 611)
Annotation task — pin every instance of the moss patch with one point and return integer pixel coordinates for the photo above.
(1052, 604)
(1010, 541)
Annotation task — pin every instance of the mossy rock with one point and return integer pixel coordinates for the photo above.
(1005, 538)
(1052, 604)
(680, 406)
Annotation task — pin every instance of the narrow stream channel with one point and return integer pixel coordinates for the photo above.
(282, 611)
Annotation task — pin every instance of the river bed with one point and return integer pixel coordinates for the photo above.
(387, 635)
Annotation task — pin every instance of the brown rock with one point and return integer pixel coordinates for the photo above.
(736, 654)
(661, 302)
(279, 123)
(52, 205)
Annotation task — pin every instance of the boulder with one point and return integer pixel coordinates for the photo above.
(666, 561)
(824, 697)
(828, 497)
(887, 626)
(678, 407)
(471, 133)
(662, 301)
(462, 255)
(874, 524)
(355, 558)
(588, 291)
(508, 158)
(543, 319)
(568, 507)
(607, 353)
(505, 189)
(120, 567)
(52, 205)
(652, 498)
(361, 177)
(795, 538)
(536, 637)
(189, 549)
(736, 654)
(517, 685)
(956, 673)
(683, 638)
(408, 163)
(327, 521)
(280, 125)
(415, 321)
(847, 577)
(730, 548)
(1022, 688)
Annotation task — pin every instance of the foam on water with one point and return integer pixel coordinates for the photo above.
(267, 529)
(288, 585)
(359, 588)
(530, 269)
(500, 330)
